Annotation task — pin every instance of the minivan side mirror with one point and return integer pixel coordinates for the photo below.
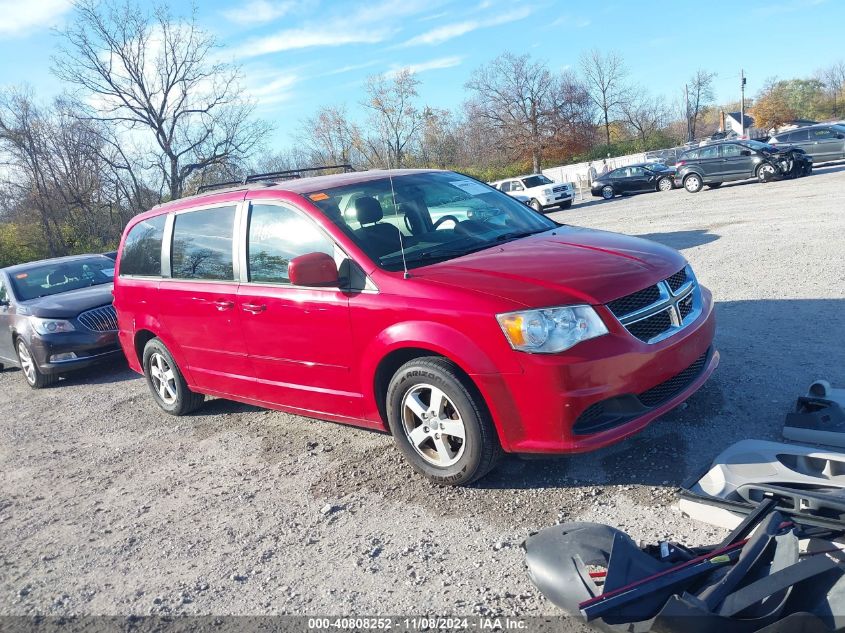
(745, 152)
(313, 269)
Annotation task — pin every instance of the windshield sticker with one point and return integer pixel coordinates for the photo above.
(316, 197)
(470, 186)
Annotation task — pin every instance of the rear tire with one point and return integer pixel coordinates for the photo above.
(693, 183)
(166, 382)
(440, 423)
(34, 377)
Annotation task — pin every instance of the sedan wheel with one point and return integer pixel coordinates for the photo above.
(765, 172)
(433, 425)
(607, 192)
(664, 184)
(35, 378)
(692, 183)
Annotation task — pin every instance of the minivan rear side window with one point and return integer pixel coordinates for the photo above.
(797, 137)
(277, 235)
(202, 244)
(142, 248)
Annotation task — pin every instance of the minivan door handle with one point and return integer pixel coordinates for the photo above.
(254, 308)
(224, 304)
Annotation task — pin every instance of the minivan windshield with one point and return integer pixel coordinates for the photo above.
(536, 181)
(51, 278)
(431, 216)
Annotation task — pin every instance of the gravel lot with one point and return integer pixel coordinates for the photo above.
(107, 506)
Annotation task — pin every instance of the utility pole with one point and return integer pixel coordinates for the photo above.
(742, 100)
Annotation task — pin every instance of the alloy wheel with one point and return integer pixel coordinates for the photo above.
(433, 425)
(163, 378)
(766, 172)
(665, 184)
(692, 184)
(607, 192)
(27, 364)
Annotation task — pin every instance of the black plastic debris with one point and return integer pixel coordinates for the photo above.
(816, 420)
(756, 580)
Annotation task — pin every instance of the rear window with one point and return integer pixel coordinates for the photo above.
(202, 244)
(142, 248)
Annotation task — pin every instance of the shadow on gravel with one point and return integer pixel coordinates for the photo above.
(682, 239)
(108, 373)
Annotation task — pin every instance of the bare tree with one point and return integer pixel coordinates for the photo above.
(329, 136)
(605, 80)
(519, 98)
(700, 97)
(645, 114)
(833, 77)
(146, 71)
(395, 119)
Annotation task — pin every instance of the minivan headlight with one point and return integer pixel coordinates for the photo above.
(551, 330)
(50, 326)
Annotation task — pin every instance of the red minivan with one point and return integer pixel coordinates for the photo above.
(419, 302)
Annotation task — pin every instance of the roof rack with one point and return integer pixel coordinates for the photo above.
(287, 174)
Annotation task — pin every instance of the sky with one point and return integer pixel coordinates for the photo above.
(298, 55)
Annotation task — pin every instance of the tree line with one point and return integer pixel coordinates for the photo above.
(148, 112)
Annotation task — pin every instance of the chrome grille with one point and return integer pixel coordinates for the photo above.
(560, 189)
(102, 319)
(656, 312)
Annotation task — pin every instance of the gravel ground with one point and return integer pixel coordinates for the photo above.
(108, 506)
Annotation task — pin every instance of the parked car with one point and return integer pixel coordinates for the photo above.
(543, 192)
(489, 329)
(724, 161)
(112, 255)
(637, 178)
(822, 142)
(56, 316)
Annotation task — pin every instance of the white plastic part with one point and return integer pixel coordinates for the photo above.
(823, 389)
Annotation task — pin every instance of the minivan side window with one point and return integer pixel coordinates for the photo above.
(202, 244)
(821, 134)
(731, 150)
(276, 235)
(142, 248)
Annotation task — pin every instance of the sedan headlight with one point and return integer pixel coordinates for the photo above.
(50, 326)
(551, 330)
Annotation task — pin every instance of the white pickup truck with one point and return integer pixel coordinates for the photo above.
(542, 192)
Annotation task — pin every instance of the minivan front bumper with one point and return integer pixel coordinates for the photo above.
(601, 391)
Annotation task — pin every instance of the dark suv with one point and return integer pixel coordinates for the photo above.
(720, 162)
(822, 142)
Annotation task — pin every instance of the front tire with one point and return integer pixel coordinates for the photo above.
(665, 184)
(766, 172)
(166, 382)
(535, 204)
(440, 423)
(566, 205)
(693, 183)
(607, 192)
(34, 377)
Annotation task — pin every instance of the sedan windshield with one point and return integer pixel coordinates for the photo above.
(426, 217)
(536, 181)
(52, 278)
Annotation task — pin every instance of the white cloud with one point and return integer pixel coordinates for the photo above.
(456, 29)
(20, 17)
(258, 12)
(433, 64)
(368, 24)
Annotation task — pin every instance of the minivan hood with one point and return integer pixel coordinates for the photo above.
(567, 265)
(68, 305)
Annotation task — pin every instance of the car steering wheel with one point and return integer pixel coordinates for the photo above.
(443, 219)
